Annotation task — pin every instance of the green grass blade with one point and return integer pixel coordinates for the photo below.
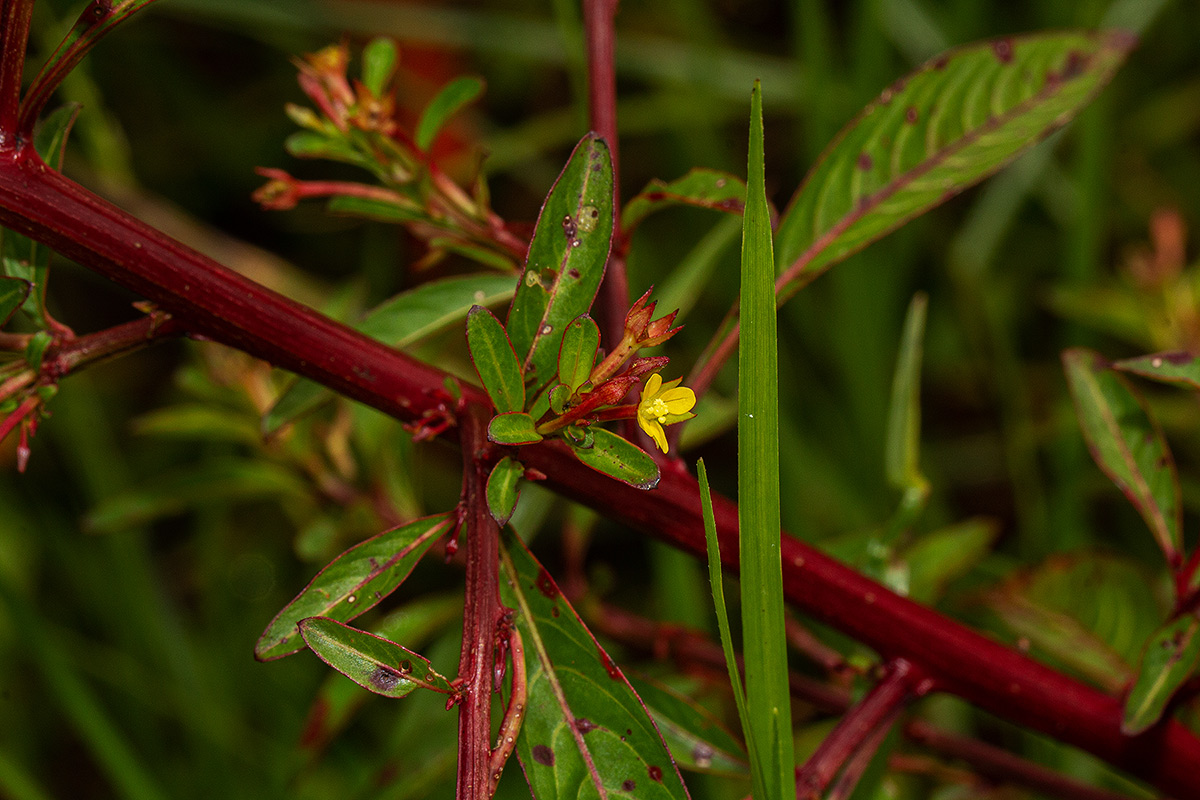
(904, 417)
(718, 593)
(768, 704)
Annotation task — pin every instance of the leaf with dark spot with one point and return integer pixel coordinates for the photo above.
(586, 733)
(954, 121)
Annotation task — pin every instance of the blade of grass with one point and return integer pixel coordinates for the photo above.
(718, 593)
(763, 643)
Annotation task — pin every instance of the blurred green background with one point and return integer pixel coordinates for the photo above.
(144, 550)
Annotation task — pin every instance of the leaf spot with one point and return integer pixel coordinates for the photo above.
(570, 228)
(585, 725)
(703, 754)
(545, 585)
(911, 115)
(865, 161)
(1003, 48)
(543, 755)
(352, 598)
(406, 666)
(546, 330)
(609, 666)
(384, 679)
(589, 216)
(655, 773)
(629, 784)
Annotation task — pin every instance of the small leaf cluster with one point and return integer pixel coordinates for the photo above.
(544, 370)
(355, 122)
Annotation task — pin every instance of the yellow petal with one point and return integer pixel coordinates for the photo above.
(656, 433)
(653, 384)
(679, 400)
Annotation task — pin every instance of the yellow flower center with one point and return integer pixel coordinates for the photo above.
(657, 409)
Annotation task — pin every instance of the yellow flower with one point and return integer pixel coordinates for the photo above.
(663, 404)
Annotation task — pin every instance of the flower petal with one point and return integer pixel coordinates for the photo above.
(679, 400)
(653, 384)
(656, 433)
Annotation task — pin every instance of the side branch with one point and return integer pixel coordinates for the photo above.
(874, 715)
(215, 302)
(14, 34)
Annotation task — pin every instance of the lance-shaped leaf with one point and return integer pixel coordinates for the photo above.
(695, 737)
(401, 321)
(1169, 660)
(618, 458)
(379, 59)
(504, 489)
(577, 354)
(513, 428)
(495, 362)
(954, 121)
(704, 188)
(453, 96)
(1177, 367)
(338, 699)
(371, 661)
(13, 292)
(353, 582)
(566, 260)
(586, 733)
(1127, 444)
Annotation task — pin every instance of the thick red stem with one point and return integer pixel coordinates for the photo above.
(218, 303)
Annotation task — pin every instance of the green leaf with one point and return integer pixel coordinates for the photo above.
(225, 480)
(13, 292)
(904, 415)
(513, 428)
(1169, 659)
(619, 459)
(577, 355)
(1127, 444)
(938, 557)
(705, 188)
(400, 209)
(453, 96)
(495, 362)
(199, 421)
(717, 581)
(353, 582)
(338, 699)
(399, 322)
(696, 738)
(768, 704)
(504, 489)
(586, 732)
(372, 662)
(310, 144)
(379, 59)
(953, 122)
(1177, 367)
(566, 260)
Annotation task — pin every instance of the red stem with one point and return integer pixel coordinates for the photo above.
(598, 16)
(877, 710)
(481, 616)
(14, 34)
(218, 303)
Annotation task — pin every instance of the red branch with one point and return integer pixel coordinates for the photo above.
(877, 711)
(598, 17)
(481, 616)
(14, 33)
(220, 304)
